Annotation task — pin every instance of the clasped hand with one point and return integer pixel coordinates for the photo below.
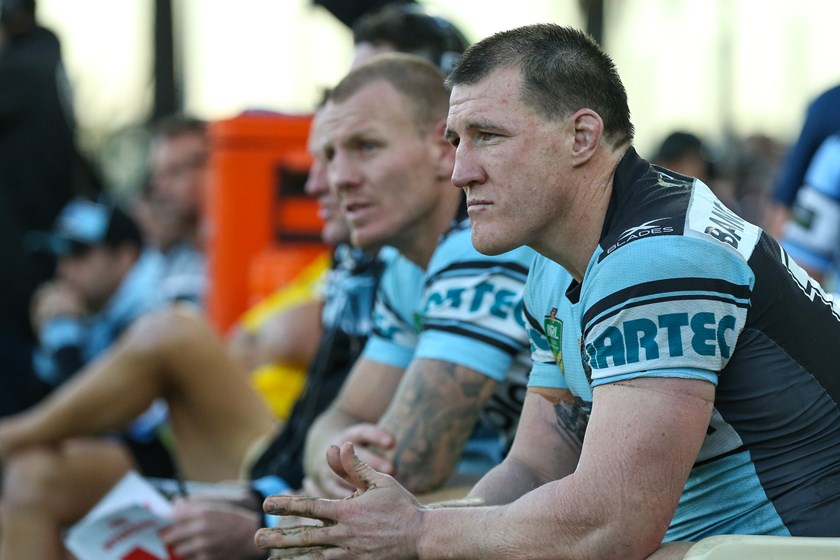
(381, 520)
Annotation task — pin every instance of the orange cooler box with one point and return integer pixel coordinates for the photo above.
(262, 229)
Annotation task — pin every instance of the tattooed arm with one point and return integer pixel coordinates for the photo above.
(431, 417)
(546, 447)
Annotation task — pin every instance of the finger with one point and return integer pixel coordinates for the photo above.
(301, 506)
(375, 460)
(191, 548)
(369, 434)
(334, 461)
(178, 531)
(295, 537)
(360, 474)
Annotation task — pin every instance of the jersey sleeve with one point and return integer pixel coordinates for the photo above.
(472, 307)
(393, 339)
(545, 371)
(664, 307)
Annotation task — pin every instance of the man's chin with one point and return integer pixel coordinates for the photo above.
(366, 242)
(335, 234)
(491, 247)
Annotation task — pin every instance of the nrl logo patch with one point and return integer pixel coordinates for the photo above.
(554, 334)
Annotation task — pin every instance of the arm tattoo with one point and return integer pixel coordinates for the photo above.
(432, 416)
(572, 418)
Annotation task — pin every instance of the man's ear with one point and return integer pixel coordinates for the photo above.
(589, 128)
(445, 152)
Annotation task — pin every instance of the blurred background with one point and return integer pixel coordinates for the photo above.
(720, 68)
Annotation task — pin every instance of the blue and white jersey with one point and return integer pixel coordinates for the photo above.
(682, 287)
(812, 237)
(91, 336)
(554, 329)
(464, 309)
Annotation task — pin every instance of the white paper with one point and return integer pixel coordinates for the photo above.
(124, 525)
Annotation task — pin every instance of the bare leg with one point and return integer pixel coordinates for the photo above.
(46, 489)
(215, 415)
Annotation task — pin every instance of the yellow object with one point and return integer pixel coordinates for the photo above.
(304, 288)
(757, 547)
(280, 384)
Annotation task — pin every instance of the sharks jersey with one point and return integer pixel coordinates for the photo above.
(464, 309)
(682, 287)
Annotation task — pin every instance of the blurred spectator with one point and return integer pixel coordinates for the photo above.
(411, 29)
(812, 235)
(39, 168)
(104, 282)
(753, 167)
(170, 206)
(822, 119)
(687, 154)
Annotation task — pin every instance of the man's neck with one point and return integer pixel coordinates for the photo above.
(419, 245)
(577, 237)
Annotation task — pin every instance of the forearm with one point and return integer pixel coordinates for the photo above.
(553, 522)
(505, 483)
(431, 417)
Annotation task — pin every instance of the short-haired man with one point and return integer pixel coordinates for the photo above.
(446, 333)
(710, 411)
(170, 205)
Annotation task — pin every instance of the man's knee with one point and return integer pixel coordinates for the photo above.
(33, 478)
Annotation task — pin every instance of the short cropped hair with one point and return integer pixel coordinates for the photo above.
(176, 125)
(416, 79)
(413, 29)
(563, 70)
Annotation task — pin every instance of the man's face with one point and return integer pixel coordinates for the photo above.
(95, 274)
(509, 162)
(335, 229)
(179, 171)
(382, 168)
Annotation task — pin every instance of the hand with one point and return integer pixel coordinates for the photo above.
(370, 441)
(205, 529)
(54, 299)
(382, 520)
